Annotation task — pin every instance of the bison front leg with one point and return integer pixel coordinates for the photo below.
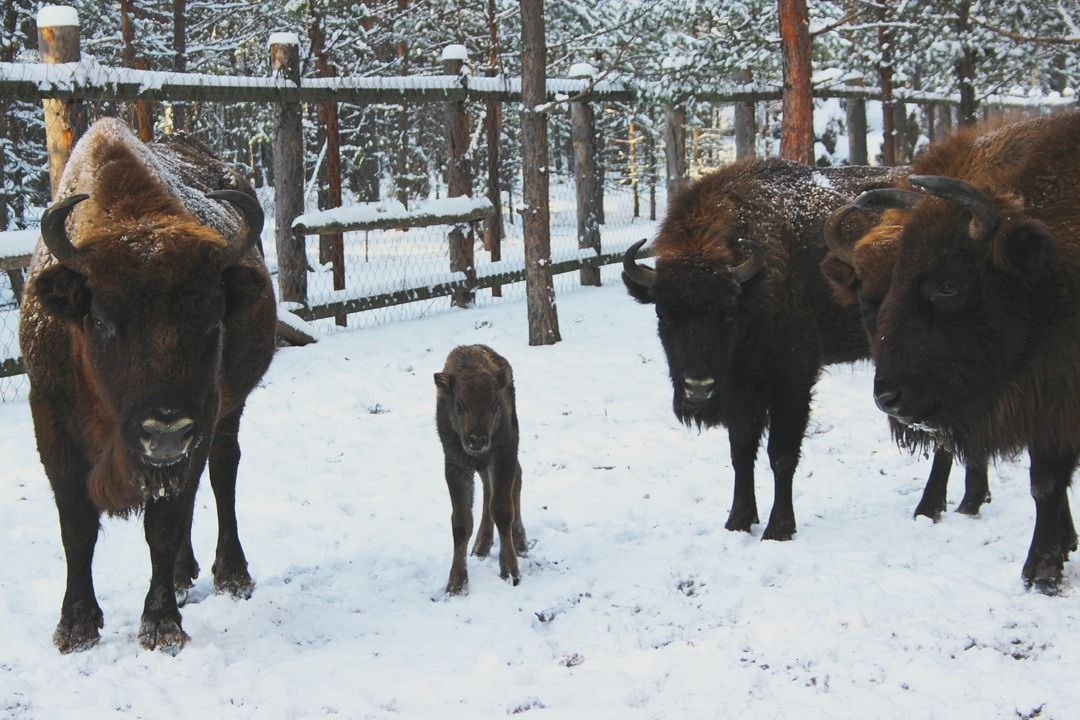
(786, 431)
(187, 568)
(459, 481)
(744, 446)
(230, 565)
(1050, 475)
(485, 533)
(80, 614)
(503, 475)
(932, 503)
(164, 527)
(976, 487)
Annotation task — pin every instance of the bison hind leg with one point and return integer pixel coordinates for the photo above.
(78, 628)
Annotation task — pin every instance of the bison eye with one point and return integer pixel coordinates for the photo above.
(102, 327)
(947, 289)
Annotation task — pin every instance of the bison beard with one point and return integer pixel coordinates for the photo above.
(147, 320)
(745, 316)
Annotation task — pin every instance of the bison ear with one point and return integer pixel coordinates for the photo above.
(1027, 249)
(244, 286)
(444, 381)
(841, 278)
(62, 292)
(641, 293)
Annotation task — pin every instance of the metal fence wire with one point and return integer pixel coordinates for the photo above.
(386, 261)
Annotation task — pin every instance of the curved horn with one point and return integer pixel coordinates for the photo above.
(984, 214)
(841, 248)
(640, 274)
(888, 199)
(752, 265)
(54, 233)
(253, 216)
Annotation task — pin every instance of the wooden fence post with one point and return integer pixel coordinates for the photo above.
(288, 173)
(583, 138)
(675, 148)
(58, 42)
(459, 177)
(745, 121)
(855, 110)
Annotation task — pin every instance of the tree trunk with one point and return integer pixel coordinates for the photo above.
(745, 121)
(965, 66)
(885, 74)
(181, 120)
(675, 148)
(288, 180)
(797, 129)
(459, 184)
(539, 287)
(583, 137)
(140, 116)
(493, 228)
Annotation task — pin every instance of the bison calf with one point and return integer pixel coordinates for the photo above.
(478, 427)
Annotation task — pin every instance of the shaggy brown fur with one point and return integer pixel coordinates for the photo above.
(148, 324)
(979, 333)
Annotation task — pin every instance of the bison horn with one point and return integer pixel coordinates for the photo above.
(984, 214)
(749, 267)
(253, 216)
(54, 232)
(838, 245)
(888, 199)
(640, 274)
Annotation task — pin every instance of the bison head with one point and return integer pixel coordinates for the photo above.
(474, 403)
(148, 302)
(966, 292)
(697, 311)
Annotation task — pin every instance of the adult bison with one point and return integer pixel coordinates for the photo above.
(978, 335)
(859, 271)
(744, 315)
(148, 318)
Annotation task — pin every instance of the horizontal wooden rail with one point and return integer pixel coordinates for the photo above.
(393, 216)
(89, 80)
(428, 292)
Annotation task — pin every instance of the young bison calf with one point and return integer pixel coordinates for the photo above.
(478, 427)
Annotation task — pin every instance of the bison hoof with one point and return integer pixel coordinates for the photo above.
(238, 585)
(739, 521)
(456, 585)
(185, 575)
(512, 575)
(164, 634)
(78, 630)
(1043, 572)
(970, 505)
(482, 547)
(930, 509)
(779, 531)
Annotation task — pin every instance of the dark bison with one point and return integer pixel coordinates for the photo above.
(746, 317)
(860, 270)
(978, 335)
(148, 318)
(477, 421)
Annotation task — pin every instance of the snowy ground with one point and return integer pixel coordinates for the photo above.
(634, 602)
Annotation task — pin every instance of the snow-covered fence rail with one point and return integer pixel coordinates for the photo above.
(16, 248)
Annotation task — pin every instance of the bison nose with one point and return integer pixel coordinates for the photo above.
(888, 400)
(166, 441)
(475, 442)
(698, 390)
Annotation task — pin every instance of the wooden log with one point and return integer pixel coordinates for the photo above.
(458, 176)
(288, 173)
(65, 121)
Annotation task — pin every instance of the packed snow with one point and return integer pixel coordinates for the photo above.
(57, 16)
(634, 601)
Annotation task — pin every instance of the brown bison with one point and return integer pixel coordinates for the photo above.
(860, 270)
(476, 417)
(978, 334)
(745, 317)
(148, 318)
